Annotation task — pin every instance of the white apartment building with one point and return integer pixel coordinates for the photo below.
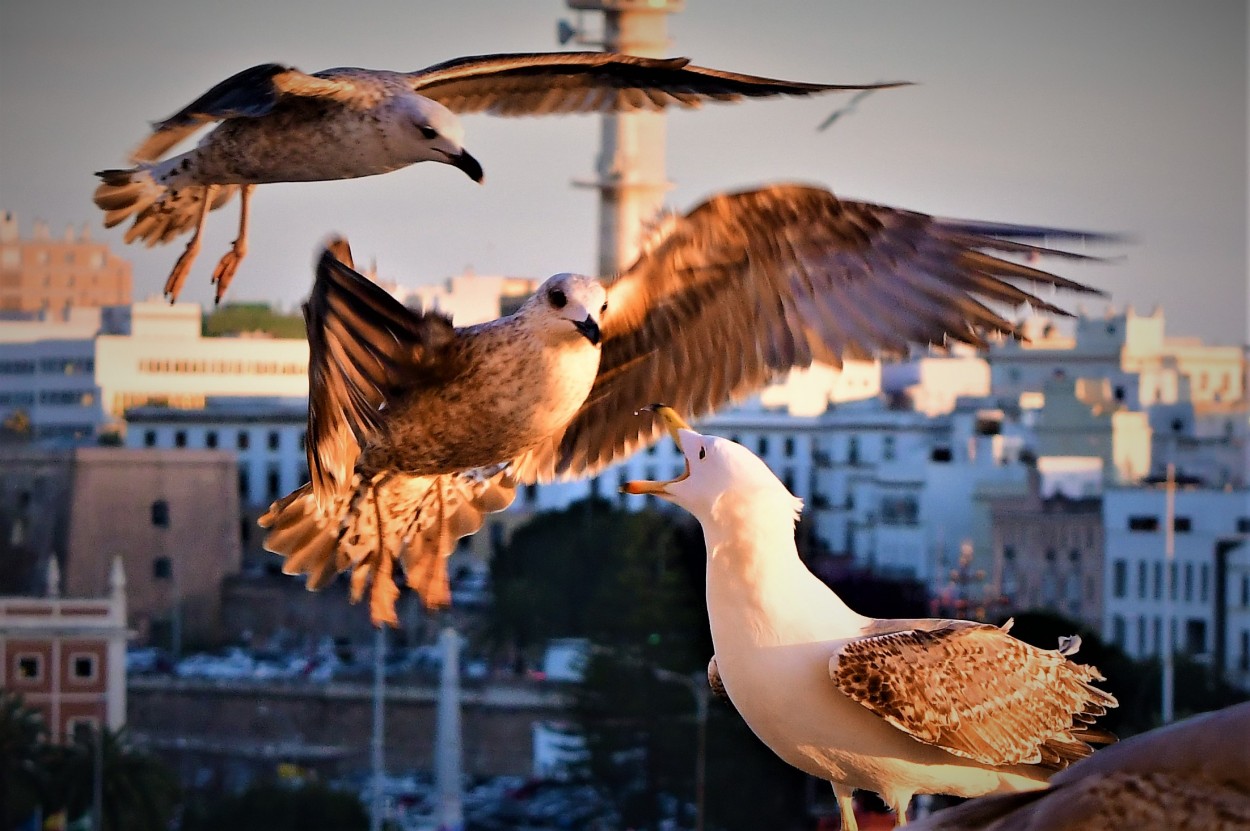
(1210, 599)
(266, 435)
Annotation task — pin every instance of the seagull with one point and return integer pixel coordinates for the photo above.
(1193, 775)
(898, 707)
(278, 124)
(416, 427)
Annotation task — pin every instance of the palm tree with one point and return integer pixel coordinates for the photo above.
(139, 793)
(22, 756)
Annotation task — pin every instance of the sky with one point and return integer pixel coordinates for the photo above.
(1107, 115)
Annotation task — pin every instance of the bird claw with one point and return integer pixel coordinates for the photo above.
(178, 275)
(224, 272)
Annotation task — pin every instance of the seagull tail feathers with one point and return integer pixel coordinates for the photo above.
(160, 214)
(393, 517)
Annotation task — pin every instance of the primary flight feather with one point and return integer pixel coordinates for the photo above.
(417, 427)
(278, 124)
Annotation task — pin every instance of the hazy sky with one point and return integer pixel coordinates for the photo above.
(1125, 115)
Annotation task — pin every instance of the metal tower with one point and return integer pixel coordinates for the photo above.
(631, 179)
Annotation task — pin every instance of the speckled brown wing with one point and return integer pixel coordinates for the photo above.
(977, 692)
(749, 285)
(545, 83)
(1192, 775)
(363, 347)
(253, 93)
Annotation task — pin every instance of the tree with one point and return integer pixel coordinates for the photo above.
(23, 748)
(139, 792)
(633, 583)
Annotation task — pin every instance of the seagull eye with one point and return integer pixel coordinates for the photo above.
(702, 452)
(603, 308)
(428, 132)
(557, 298)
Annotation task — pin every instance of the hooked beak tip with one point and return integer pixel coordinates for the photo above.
(465, 162)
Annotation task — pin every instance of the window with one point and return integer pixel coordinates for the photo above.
(273, 483)
(887, 448)
(149, 438)
(1143, 522)
(180, 438)
(1195, 636)
(210, 439)
(941, 454)
(275, 440)
(245, 482)
(763, 445)
(1182, 524)
(242, 442)
(1141, 580)
(1204, 582)
(1243, 525)
(1118, 631)
(29, 667)
(531, 494)
(81, 728)
(160, 513)
(789, 446)
(1189, 582)
(162, 568)
(852, 450)
(1158, 580)
(303, 440)
(1119, 580)
(82, 667)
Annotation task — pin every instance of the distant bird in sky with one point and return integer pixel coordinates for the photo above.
(1193, 775)
(416, 427)
(898, 707)
(278, 124)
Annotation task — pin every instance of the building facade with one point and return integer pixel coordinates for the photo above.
(39, 273)
(66, 656)
(1208, 605)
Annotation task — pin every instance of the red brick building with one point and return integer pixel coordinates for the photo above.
(67, 656)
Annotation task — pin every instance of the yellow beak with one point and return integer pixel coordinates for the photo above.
(674, 422)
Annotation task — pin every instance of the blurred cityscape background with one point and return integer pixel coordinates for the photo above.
(1068, 480)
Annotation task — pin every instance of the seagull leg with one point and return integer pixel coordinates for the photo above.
(178, 275)
(846, 806)
(898, 804)
(224, 272)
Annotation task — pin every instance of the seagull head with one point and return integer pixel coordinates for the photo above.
(435, 134)
(722, 479)
(568, 306)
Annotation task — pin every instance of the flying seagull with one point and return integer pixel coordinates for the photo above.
(1193, 775)
(278, 124)
(898, 707)
(417, 427)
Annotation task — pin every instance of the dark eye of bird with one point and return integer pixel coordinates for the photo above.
(702, 452)
(428, 132)
(557, 298)
(603, 308)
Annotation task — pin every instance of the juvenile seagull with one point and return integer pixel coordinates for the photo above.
(278, 124)
(898, 707)
(416, 427)
(1193, 775)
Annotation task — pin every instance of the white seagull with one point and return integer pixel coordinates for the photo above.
(1193, 775)
(278, 124)
(417, 427)
(899, 707)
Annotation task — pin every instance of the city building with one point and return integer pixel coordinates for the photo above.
(1047, 545)
(468, 298)
(171, 515)
(66, 656)
(39, 273)
(1208, 607)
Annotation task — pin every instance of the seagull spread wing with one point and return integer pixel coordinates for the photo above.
(543, 83)
(750, 285)
(363, 345)
(254, 93)
(975, 691)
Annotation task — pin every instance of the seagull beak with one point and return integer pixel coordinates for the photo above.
(674, 422)
(589, 328)
(468, 164)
